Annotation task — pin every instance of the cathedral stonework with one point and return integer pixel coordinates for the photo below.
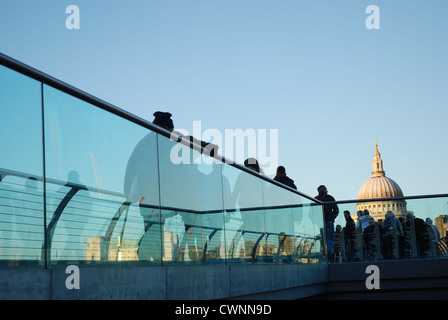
(377, 187)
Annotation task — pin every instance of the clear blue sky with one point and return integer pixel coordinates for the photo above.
(310, 69)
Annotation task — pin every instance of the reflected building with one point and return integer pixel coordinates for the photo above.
(170, 246)
(441, 222)
(96, 248)
(377, 187)
(289, 243)
(124, 250)
(119, 249)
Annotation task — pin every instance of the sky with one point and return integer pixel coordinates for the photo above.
(310, 69)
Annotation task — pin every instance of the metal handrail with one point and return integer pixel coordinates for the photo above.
(404, 198)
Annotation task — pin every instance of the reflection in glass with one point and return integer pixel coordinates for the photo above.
(191, 195)
(315, 239)
(117, 192)
(245, 231)
(281, 239)
(102, 184)
(141, 185)
(21, 189)
(21, 126)
(21, 216)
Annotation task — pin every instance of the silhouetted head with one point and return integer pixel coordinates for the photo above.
(163, 119)
(322, 189)
(281, 170)
(389, 215)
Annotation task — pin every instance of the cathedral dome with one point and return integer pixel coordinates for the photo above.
(379, 186)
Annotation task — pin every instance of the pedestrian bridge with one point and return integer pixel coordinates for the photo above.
(146, 213)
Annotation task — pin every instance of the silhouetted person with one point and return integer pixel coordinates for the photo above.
(349, 235)
(337, 242)
(369, 237)
(283, 178)
(410, 242)
(141, 186)
(421, 236)
(435, 236)
(173, 163)
(331, 211)
(163, 119)
(391, 229)
(401, 238)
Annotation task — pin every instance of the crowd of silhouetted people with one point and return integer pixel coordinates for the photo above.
(366, 240)
(391, 238)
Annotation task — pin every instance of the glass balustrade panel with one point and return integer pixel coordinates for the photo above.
(192, 204)
(102, 185)
(245, 216)
(21, 171)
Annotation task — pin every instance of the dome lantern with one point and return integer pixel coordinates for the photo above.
(377, 163)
